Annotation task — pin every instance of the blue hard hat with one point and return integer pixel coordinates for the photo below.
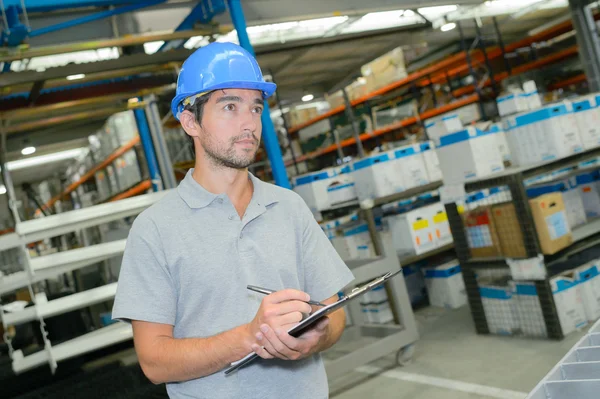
(218, 66)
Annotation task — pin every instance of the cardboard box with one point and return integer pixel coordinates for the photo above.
(325, 188)
(468, 154)
(439, 221)
(411, 165)
(509, 231)
(589, 192)
(432, 163)
(377, 176)
(439, 127)
(551, 223)
(481, 232)
(501, 142)
(412, 232)
(588, 278)
(358, 240)
(393, 59)
(587, 116)
(572, 199)
(543, 135)
(499, 307)
(445, 285)
(529, 310)
(512, 103)
(569, 302)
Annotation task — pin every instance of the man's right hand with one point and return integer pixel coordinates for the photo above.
(279, 310)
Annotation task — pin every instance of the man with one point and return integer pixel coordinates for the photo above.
(190, 257)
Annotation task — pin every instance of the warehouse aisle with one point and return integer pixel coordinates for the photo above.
(451, 361)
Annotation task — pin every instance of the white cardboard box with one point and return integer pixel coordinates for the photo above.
(445, 285)
(529, 310)
(443, 126)
(589, 281)
(432, 163)
(312, 187)
(409, 161)
(543, 135)
(439, 222)
(468, 154)
(377, 176)
(412, 232)
(512, 103)
(501, 141)
(588, 190)
(358, 240)
(342, 187)
(587, 116)
(500, 308)
(569, 303)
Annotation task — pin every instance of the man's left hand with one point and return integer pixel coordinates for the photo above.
(279, 344)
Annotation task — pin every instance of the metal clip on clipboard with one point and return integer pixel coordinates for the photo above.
(311, 320)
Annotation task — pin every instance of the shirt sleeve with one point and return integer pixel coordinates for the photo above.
(145, 289)
(325, 273)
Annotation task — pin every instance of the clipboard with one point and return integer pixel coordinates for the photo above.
(311, 320)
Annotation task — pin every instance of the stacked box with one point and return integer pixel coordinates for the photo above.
(529, 310)
(439, 222)
(412, 232)
(377, 176)
(320, 190)
(468, 154)
(589, 282)
(432, 163)
(436, 128)
(587, 116)
(589, 192)
(551, 223)
(574, 206)
(499, 307)
(445, 285)
(358, 240)
(569, 302)
(409, 162)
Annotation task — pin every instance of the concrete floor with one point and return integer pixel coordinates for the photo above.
(452, 362)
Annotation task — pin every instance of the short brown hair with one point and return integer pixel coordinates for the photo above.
(198, 110)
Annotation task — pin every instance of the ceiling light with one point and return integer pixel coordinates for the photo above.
(133, 100)
(409, 13)
(362, 80)
(45, 159)
(307, 97)
(2, 189)
(28, 150)
(153, 47)
(76, 77)
(448, 26)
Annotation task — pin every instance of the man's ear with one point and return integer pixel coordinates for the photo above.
(189, 124)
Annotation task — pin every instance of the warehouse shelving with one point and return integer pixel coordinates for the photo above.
(62, 305)
(90, 174)
(136, 190)
(55, 225)
(460, 60)
(98, 339)
(49, 266)
(577, 374)
(584, 237)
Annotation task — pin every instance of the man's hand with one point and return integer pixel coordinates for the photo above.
(278, 343)
(279, 310)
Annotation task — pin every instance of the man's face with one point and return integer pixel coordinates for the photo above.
(231, 127)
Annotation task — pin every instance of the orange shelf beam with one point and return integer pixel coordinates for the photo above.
(567, 82)
(398, 125)
(139, 189)
(110, 159)
(423, 75)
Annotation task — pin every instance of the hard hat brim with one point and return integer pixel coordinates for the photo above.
(267, 89)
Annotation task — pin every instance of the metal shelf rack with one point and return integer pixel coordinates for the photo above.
(514, 179)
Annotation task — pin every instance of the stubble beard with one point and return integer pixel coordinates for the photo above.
(226, 157)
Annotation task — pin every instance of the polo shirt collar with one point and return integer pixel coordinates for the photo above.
(196, 196)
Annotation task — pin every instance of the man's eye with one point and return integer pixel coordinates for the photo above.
(230, 107)
(258, 110)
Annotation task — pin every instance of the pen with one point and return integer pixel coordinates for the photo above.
(267, 292)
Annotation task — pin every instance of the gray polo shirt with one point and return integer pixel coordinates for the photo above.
(188, 261)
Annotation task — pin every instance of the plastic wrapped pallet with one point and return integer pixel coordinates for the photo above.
(529, 310)
(499, 307)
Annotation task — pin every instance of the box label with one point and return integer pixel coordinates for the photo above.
(480, 236)
(557, 225)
